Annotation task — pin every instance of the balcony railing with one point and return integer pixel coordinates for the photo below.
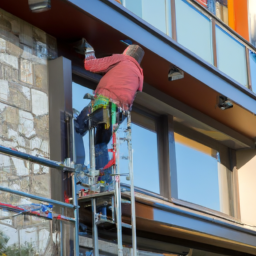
(195, 28)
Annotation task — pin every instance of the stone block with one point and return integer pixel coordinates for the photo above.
(9, 115)
(26, 124)
(26, 34)
(40, 104)
(42, 126)
(9, 60)
(41, 77)
(19, 96)
(26, 71)
(2, 45)
(8, 73)
(40, 185)
(4, 90)
(20, 167)
(39, 35)
(13, 49)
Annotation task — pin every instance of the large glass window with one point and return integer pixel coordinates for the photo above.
(201, 177)
(194, 30)
(152, 11)
(145, 154)
(231, 56)
(78, 92)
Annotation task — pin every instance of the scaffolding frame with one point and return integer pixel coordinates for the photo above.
(116, 194)
(66, 166)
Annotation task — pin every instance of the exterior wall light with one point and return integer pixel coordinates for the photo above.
(224, 103)
(175, 74)
(39, 5)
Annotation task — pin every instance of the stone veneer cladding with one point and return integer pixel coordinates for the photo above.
(24, 118)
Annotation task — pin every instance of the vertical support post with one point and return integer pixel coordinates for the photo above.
(214, 43)
(76, 214)
(93, 201)
(173, 18)
(74, 193)
(247, 52)
(133, 212)
(117, 185)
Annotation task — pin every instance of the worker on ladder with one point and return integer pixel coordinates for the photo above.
(123, 78)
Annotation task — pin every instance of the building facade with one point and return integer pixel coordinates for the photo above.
(193, 138)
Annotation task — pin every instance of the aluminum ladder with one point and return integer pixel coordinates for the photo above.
(116, 199)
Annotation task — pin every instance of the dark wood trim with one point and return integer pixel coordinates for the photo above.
(163, 156)
(248, 69)
(173, 16)
(214, 46)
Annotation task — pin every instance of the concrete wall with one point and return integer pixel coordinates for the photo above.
(246, 165)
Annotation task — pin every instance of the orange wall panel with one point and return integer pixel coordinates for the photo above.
(231, 14)
(241, 18)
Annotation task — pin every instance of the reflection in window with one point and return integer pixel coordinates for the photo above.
(231, 56)
(78, 92)
(201, 178)
(252, 57)
(145, 155)
(152, 11)
(217, 7)
(195, 32)
(252, 21)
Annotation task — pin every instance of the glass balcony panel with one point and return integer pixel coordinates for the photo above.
(134, 6)
(152, 11)
(252, 57)
(194, 30)
(231, 57)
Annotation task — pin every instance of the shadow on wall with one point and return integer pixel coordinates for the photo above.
(244, 156)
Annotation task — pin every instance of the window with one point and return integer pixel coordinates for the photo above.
(144, 144)
(203, 176)
(78, 92)
(145, 154)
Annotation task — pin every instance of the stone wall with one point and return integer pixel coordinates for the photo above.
(24, 119)
(24, 108)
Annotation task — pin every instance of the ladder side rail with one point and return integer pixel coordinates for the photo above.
(133, 212)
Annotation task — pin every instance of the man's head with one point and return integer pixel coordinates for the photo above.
(135, 51)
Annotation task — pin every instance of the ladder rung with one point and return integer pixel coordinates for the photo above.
(126, 225)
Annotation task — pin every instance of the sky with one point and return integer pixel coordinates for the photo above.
(197, 172)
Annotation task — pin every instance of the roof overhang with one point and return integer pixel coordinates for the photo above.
(104, 23)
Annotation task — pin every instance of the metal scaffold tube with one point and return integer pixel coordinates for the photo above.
(39, 198)
(133, 212)
(35, 159)
(74, 193)
(93, 201)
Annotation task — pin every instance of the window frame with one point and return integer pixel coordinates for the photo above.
(167, 157)
(230, 165)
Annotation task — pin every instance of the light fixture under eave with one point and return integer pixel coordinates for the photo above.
(175, 74)
(39, 5)
(224, 103)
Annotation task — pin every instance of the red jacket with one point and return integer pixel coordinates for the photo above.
(123, 78)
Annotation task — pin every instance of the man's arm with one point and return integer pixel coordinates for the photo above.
(103, 65)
